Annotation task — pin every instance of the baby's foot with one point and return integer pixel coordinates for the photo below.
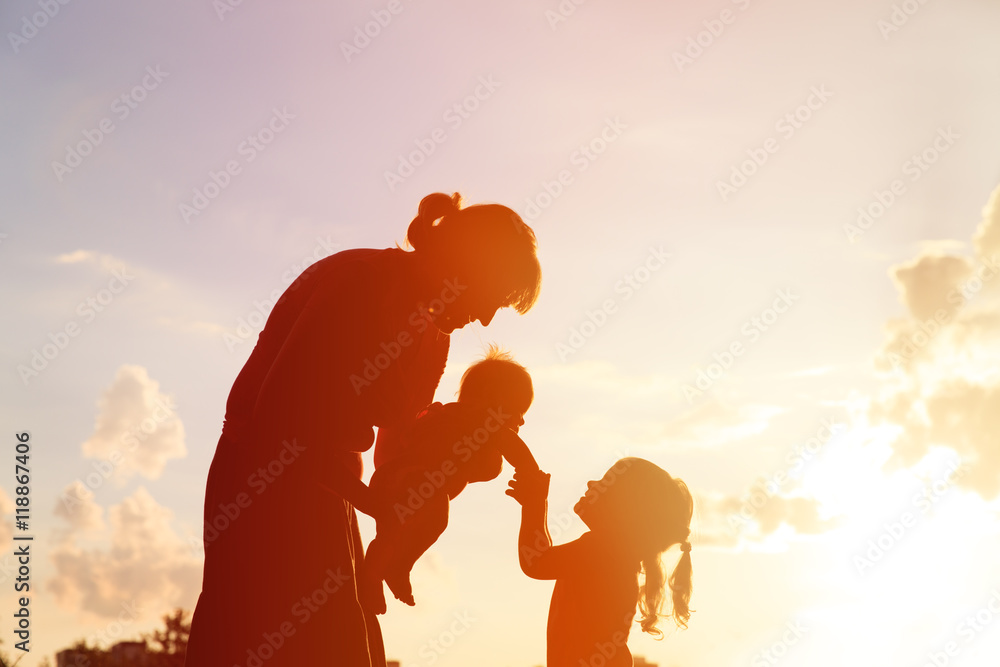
(370, 578)
(371, 593)
(398, 581)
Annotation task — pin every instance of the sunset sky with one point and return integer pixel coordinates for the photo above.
(769, 235)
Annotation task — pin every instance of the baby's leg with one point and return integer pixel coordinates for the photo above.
(380, 550)
(414, 537)
(370, 576)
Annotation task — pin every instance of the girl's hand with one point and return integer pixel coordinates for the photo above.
(529, 487)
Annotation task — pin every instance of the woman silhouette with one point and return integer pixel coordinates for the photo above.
(359, 340)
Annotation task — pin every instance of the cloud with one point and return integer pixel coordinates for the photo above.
(146, 563)
(941, 364)
(925, 283)
(76, 257)
(728, 520)
(93, 259)
(957, 414)
(714, 423)
(137, 429)
(987, 238)
(76, 505)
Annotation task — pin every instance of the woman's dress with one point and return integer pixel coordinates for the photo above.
(344, 349)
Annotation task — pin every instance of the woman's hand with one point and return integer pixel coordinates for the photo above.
(529, 487)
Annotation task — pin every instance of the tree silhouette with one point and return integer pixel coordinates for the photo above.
(90, 656)
(164, 648)
(5, 659)
(170, 644)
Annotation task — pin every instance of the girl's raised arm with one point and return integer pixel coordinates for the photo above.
(538, 557)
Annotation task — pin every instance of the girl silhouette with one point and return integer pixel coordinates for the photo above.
(359, 340)
(634, 513)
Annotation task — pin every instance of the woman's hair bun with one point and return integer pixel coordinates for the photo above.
(432, 208)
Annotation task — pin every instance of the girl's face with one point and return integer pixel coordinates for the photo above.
(596, 506)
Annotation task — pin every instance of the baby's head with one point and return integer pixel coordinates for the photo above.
(497, 381)
(644, 511)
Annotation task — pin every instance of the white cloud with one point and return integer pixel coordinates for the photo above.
(728, 520)
(77, 506)
(94, 259)
(942, 373)
(76, 257)
(137, 429)
(146, 562)
(987, 238)
(714, 423)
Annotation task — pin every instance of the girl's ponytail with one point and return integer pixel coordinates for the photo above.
(680, 587)
(662, 508)
(651, 595)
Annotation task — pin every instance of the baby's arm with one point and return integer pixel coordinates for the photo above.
(513, 449)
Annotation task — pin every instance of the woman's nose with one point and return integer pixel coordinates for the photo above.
(486, 319)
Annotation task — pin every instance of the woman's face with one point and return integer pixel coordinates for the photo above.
(471, 301)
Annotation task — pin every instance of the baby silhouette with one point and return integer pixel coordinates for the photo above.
(634, 513)
(448, 447)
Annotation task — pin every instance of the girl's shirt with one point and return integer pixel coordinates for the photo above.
(593, 605)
